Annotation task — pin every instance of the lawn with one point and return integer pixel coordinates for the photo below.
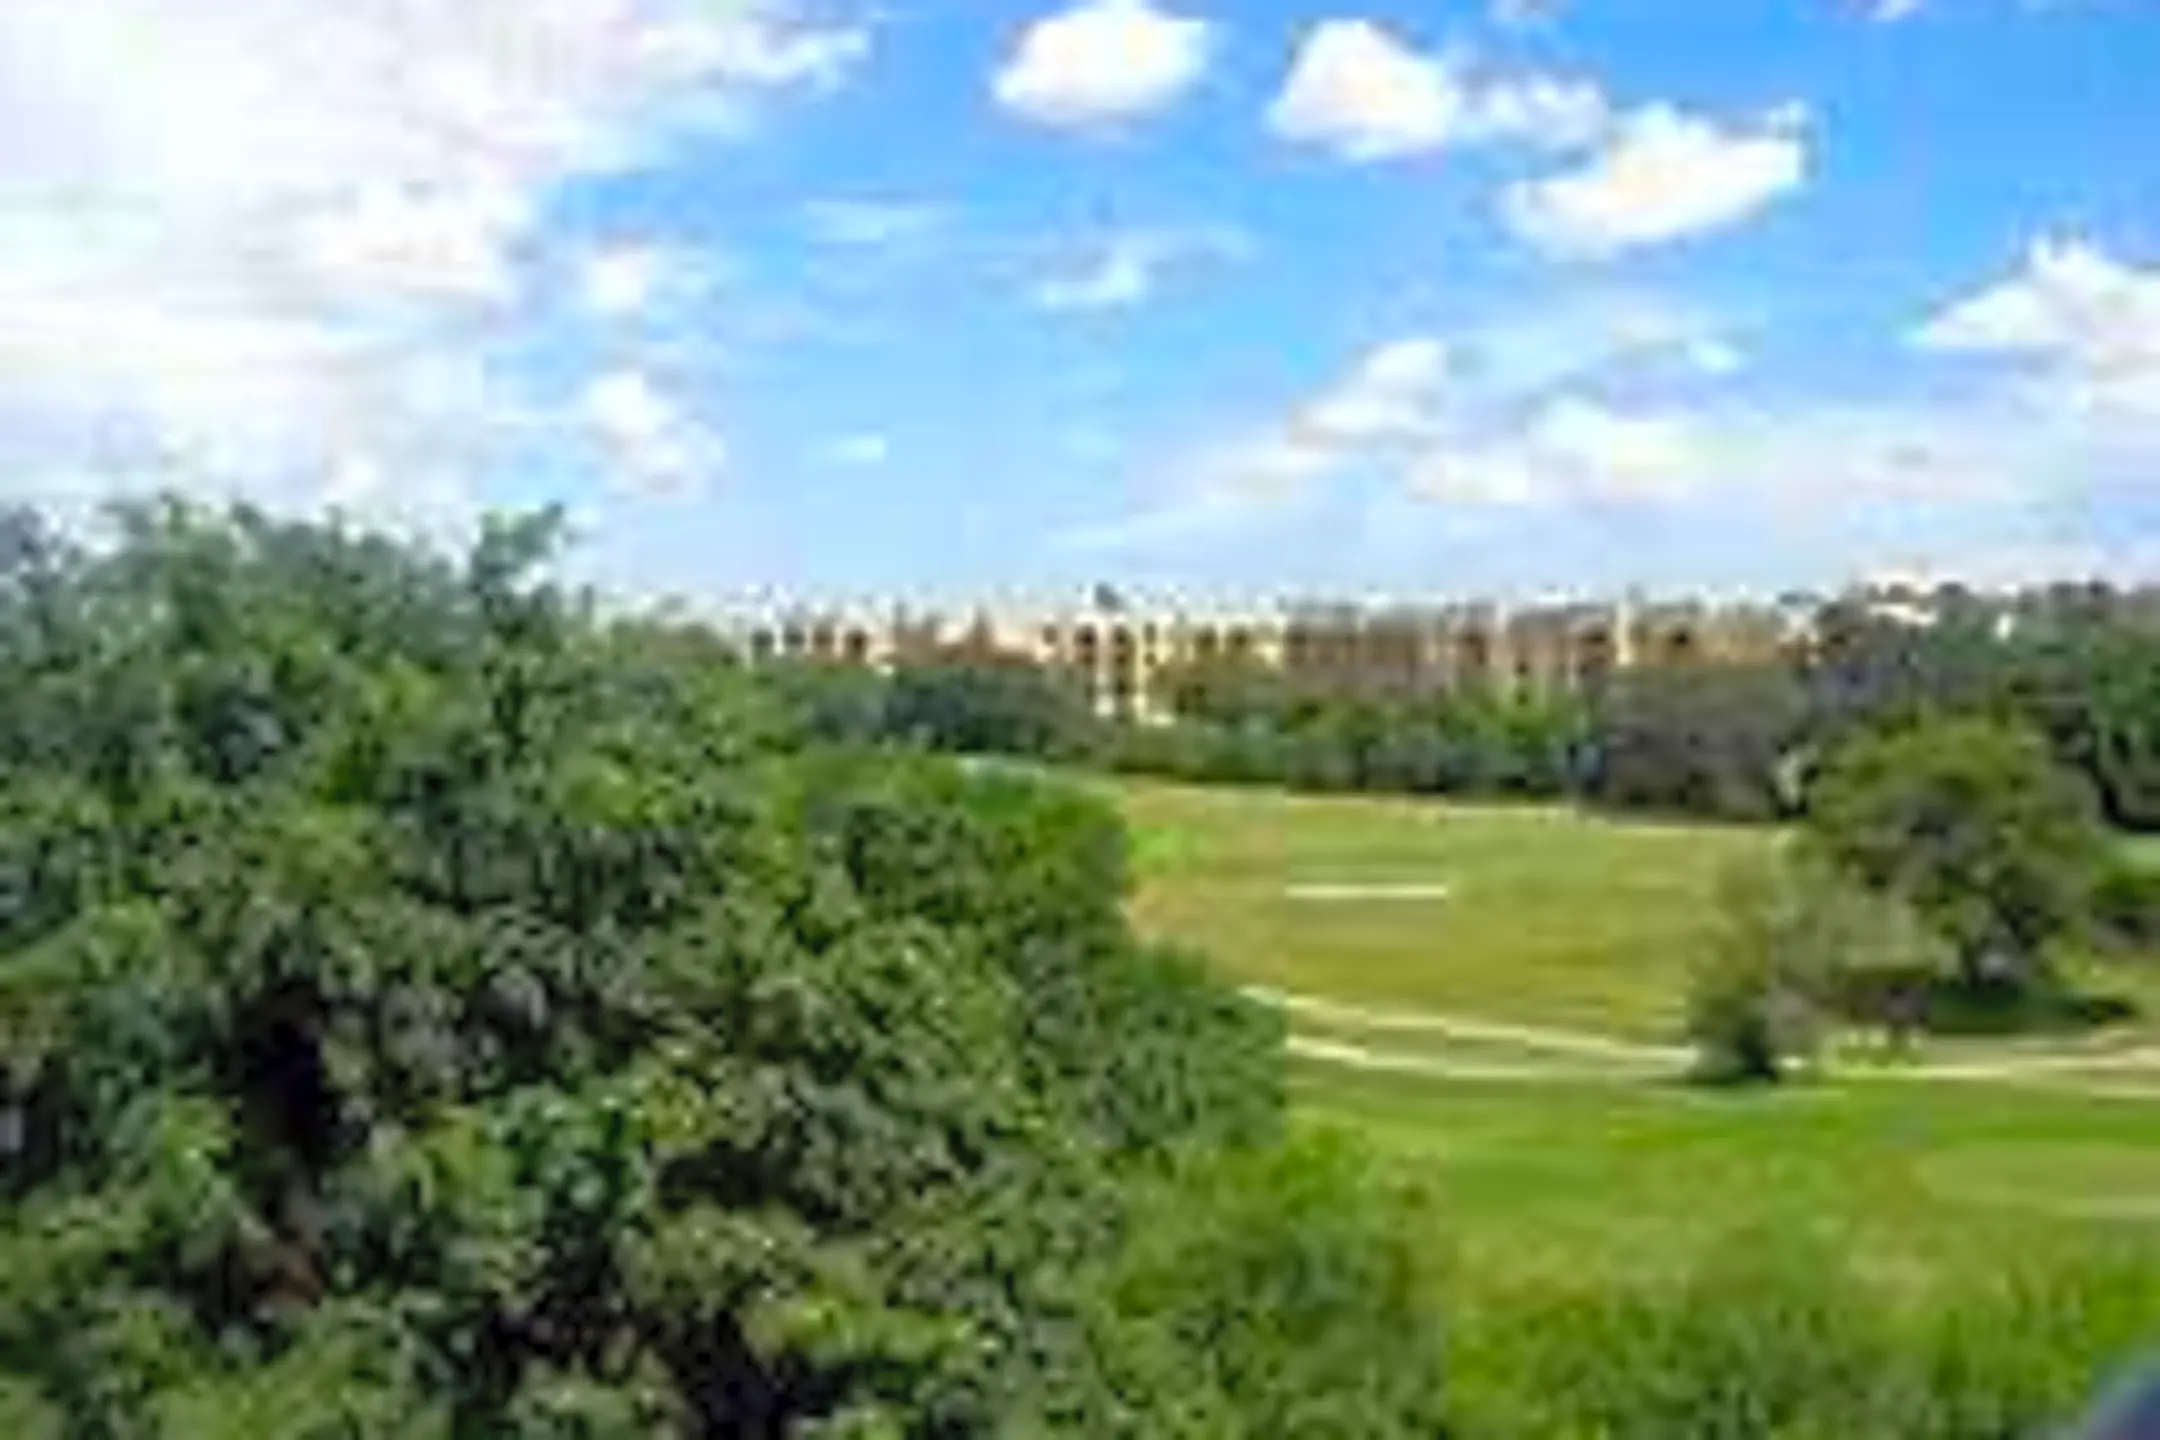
(1534, 1184)
(1549, 917)
(1607, 1165)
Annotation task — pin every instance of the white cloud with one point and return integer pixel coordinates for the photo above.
(1103, 61)
(1570, 449)
(1356, 89)
(621, 282)
(2086, 323)
(289, 241)
(650, 444)
(1389, 395)
(1122, 276)
(1539, 109)
(1663, 174)
(1501, 416)
(1713, 355)
(1360, 91)
(454, 245)
(1889, 12)
(1128, 267)
(864, 450)
(1615, 454)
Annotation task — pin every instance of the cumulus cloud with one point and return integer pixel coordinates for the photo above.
(1101, 62)
(1503, 416)
(1662, 175)
(622, 281)
(287, 241)
(2085, 323)
(1357, 89)
(649, 443)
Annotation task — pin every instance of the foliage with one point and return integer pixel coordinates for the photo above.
(1974, 825)
(1296, 1292)
(1709, 740)
(1723, 741)
(1792, 939)
(985, 704)
(2126, 907)
(2094, 690)
(1244, 723)
(429, 1010)
(1779, 1337)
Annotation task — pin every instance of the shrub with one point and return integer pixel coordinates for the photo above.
(1790, 942)
(2126, 907)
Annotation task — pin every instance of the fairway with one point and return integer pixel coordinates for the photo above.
(1562, 1182)
(1491, 994)
(1532, 914)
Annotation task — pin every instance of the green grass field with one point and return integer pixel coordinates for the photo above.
(1549, 918)
(1597, 1166)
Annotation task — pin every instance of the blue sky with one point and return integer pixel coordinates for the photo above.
(954, 299)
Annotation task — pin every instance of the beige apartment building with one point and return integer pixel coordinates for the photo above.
(1122, 653)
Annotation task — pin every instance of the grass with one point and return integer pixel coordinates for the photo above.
(1572, 1183)
(1559, 919)
(1551, 917)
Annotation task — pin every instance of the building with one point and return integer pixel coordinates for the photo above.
(1123, 654)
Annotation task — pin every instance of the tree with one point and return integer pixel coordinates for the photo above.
(998, 705)
(1702, 740)
(2094, 690)
(427, 1010)
(1973, 824)
(1792, 943)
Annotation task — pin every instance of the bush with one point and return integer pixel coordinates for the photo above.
(1790, 942)
(1294, 1298)
(2126, 907)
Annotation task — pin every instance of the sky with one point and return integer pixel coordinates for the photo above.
(979, 298)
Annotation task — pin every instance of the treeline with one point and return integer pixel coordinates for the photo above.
(1733, 742)
(427, 1009)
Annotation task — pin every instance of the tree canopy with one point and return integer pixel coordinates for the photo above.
(1975, 825)
(429, 1009)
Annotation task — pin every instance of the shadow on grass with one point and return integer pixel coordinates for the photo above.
(1922, 1002)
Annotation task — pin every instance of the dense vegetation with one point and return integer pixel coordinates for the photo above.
(2079, 666)
(428, 1009)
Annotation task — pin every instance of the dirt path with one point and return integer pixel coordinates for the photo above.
(2102, 1074)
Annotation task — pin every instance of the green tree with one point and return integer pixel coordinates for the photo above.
(425, 1009)
(1702, 740)
(1792, 943)
(1974, 825)
(986, 705)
